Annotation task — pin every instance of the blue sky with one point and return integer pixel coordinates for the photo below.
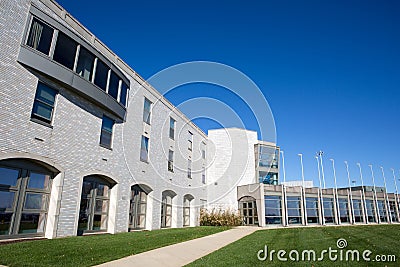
(329, 69)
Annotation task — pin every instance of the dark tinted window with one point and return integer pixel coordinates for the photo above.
(43, 105)
(113, 86)
(124, 93)
(85, 64)
(40, 36)
(101, 76)
(65, 51)
(106, 132)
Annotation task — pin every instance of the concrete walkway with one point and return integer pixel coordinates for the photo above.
(183, 253)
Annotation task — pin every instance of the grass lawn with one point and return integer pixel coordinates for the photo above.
(379, 239)
(95, 249)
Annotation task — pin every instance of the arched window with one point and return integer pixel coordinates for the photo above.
(186, 209)
(166, 208)
(95, 201)
(25, 187)
(138, 206)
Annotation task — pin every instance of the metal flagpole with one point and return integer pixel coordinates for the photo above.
(320, 153)
(284, 188)
(350, 193)
(397, 194)
(321, 193)
(363, 192)
(336, 199)
(376, 198)
(387, 197)
(304, 189)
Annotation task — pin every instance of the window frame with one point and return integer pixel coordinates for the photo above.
(172, 122)
(103, 130)
(147, 141)
(36, 117)
(170, 160)
(147, 119)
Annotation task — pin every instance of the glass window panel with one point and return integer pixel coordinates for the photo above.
(86, 187)
(124, 94)
(83, 221)
(113, 85)
(35, 201)
(106, 131)
(8, 176)
(5, 223)
(102, 190)
(141, 221)
(32, 223)
(6, 200)
(65, 51)
(146, 111)
(40, 36)
(143, 196)
(101, 206)
(46, 94)
(85, 64)
(171, 128)
(144, 149)
(99, 222)
(38, 180)
(101, 75)
(42, 110)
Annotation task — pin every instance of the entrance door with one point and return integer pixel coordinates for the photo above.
(248, 210)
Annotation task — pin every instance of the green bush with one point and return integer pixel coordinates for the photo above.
(220, 218)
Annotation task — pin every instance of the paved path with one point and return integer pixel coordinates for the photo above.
(183, 253)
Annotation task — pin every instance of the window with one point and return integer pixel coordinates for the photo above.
(137, 212)
(166, 210)
(382, 210)
(95, 200)
(24, 196)
(203, 150)
(370, 210)
(101, 75)
(106, 132)
(144, 149)
(171, 161)
(147, 111)
(113, 85)
(189, 173)
(85, 64)
(190, 141)
(40, 36)
(186, 211)
(171, 128)
(43, 106)
(273, 209)
(124, 94)
(294, 209)
(203, 175)
(358, 210)
(329, 209)
(312, 210)
(344, 210)
(65, 51)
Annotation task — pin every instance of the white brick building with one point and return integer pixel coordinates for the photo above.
(86, 145)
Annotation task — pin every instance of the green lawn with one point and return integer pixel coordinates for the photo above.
(95, 249)
(379, 239)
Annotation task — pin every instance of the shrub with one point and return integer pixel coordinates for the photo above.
(220, 218)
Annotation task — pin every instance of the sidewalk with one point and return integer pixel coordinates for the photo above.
(183, 253)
